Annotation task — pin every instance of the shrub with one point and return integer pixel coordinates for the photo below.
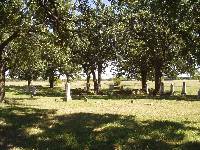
(116, 81)
(58, 82)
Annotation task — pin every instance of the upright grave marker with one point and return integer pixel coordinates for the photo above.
(184, 91)
(172, 88)
(67, 92)
(111, 86)
(33, 91)
(161, 91)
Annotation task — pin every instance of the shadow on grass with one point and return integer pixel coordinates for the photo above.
(40, 91)
(106, 94)
(31, 128)
(50, 92)
(174, 97)
(129, 97)
(15, 89)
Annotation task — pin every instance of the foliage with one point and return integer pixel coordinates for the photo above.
(145, 39)
(58, 82)
(151, 39)
(117, 81)
(28, 46)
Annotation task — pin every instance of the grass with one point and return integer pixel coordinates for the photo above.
(134, 122)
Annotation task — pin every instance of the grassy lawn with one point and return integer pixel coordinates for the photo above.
(124, 122)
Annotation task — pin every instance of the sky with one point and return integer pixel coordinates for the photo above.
(104, 1)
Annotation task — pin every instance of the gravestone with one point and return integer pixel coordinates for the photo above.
(199, 93)
(67, 92)
(184, 89)
(85, 89)
(161, 91)
(172, 88)
(33, 91)
(111, 86)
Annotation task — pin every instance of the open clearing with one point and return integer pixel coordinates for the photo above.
(48, 122)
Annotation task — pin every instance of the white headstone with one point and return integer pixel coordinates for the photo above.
(67, 92)
(184, 89)
(161, 91)
(172, 88)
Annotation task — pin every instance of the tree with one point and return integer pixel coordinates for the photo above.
(21, 17)
(24, 60)
(154, 24)
(95, 39)
(15, 20)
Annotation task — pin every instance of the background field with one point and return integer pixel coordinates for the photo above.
(47, 122)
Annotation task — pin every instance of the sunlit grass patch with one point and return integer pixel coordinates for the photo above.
(108, 126)
(3, 122)
(16, 148)
(33, 131)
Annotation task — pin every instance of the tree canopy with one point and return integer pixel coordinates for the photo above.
(145, 39)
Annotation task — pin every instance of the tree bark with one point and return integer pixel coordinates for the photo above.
(95, 82)
(51, 82)
(144, 80)
(158, 75)
(99, 76)
(144, 76)
(2, 81)
(67, 76)
(88, 82)
(2, 63)
(51, 79)
(8, 40)
(29, 82)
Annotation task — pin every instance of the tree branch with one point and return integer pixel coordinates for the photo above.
(8, 40)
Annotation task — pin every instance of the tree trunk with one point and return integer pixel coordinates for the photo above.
(29, 82)
(99, 76)
(88, 82)
(51, 80)
(144, 81)
(158, 75)
(2, 81)
(2, 63)
(96, 90)
(144, 78)
(67, 76)
(29, 85)
(143, 70)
